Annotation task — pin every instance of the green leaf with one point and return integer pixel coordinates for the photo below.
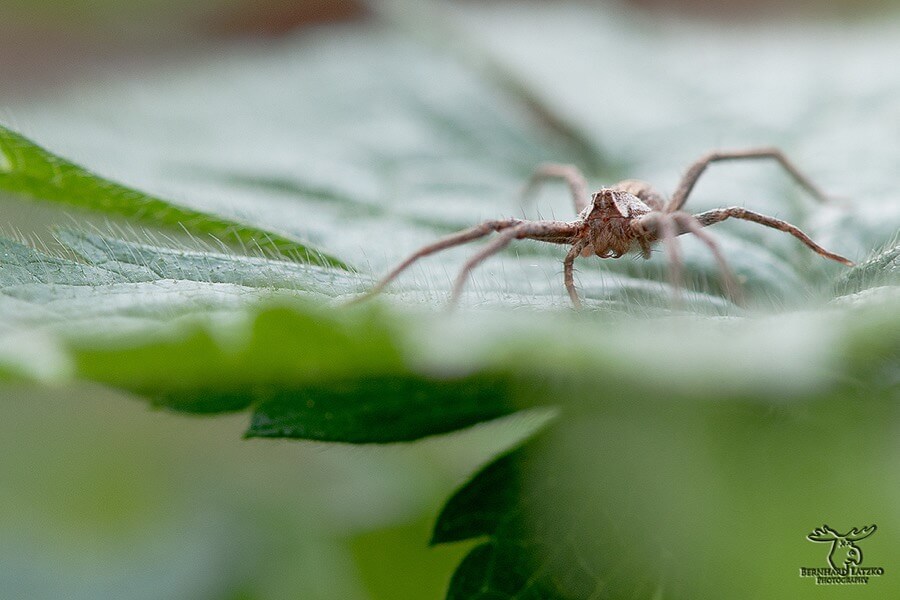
(29, 170)
(110, 298)
(382, 409)
(534, 549)
(143, 262)
(879, 270)
(306, 374)
(667, 417)
(483, 504)
(648, 490)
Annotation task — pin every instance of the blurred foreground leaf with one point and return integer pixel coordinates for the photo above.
(648, 489)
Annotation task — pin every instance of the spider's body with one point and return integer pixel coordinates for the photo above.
(609, 224)
(628, 216)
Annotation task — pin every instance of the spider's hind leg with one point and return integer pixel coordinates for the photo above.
(644, 191)
(568, 173)
(697, 169)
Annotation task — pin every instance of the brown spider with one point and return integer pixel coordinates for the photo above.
(627, 216)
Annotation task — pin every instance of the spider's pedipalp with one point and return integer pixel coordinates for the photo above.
(718, 215)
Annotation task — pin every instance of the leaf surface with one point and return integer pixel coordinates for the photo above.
(29, 170)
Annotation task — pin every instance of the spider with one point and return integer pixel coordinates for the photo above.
(629, 215)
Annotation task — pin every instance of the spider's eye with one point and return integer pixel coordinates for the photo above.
(602, 198)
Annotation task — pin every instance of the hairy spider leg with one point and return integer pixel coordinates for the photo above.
(665, 222)
(718, 215)
(568, 173)
(668, 233)
(455, 239)
(555, 232)
(568, 271)
(689, 222)
(696, 170)
(645, 192)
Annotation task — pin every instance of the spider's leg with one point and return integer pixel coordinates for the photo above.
(498, 244)
(693, 173)
(449, 241)
(720, 214)
(568, 173)
(568, 271)
(557, 232)
(644, 191)
(676, 265)
(668, 232)
(690, 224)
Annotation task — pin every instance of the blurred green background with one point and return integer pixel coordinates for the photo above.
(102, 498)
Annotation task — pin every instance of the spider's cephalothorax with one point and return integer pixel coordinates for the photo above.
(610, 221)
(630, 215)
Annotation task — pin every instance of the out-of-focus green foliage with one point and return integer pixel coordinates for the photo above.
(649, 489)
(694, 449)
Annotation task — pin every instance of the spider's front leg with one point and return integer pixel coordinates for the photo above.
(555, 232)
(568, 271)
(666, 227)
(668, 233)
(689, 223)
(450, 241)
(718, 215)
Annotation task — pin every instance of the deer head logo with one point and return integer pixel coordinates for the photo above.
(844, 552)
